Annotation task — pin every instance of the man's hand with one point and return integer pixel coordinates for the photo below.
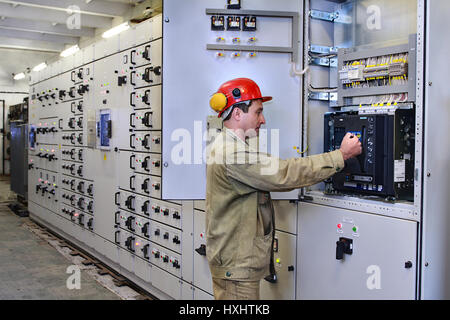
(350, 146)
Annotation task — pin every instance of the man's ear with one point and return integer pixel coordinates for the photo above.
(237, 114)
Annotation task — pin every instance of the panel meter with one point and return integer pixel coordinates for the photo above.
(104, 129)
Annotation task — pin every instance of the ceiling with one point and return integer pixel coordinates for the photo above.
(33, 31)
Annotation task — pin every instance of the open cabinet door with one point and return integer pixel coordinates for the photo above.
(197, 60)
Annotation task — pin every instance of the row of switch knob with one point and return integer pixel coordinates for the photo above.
(80, 202)
(45, 130)
(71, 152)
(81, 90)
(146, 76)
(145, 141)
(78, 106)
(46, 96)
(166, 211)
(145, 186)
(144, 164)
(72, 137)
(165, 258)
(130, 245)
(80, 217)
(45, 189)
(80, 186)
(71, 123)
(144, 206)
(49, 156)
(72, 169)
(130, 224)
(78, 75)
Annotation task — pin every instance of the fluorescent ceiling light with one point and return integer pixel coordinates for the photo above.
(40, 67)
(116, 30)
(19, 76)
(70, 51)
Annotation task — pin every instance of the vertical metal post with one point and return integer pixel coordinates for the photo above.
(3, 136)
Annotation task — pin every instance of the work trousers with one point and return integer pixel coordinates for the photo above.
(235, 290)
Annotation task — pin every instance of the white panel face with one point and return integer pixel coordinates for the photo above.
(156, 28)
(127, 39)
(144, 32)
(201, 295)
(166, 283)
(67, 63)
(143, 269)
(285, 262)
(78, 58)
(88, 54)
(186, 98)
(382, 264)
(202, 275)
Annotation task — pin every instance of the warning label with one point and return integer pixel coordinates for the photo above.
(399, 170)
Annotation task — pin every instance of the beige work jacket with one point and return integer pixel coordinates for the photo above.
(239, 210)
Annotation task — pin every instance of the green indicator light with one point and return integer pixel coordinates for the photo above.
(355, 229)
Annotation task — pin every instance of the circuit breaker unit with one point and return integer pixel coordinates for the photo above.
(386, 165)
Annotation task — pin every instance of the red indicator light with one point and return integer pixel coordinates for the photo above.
(339, 226)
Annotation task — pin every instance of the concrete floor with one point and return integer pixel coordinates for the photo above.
(32, 269)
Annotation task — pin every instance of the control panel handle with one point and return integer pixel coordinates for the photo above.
(201, 250)
(115, 198)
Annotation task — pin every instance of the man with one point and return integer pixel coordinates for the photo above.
(239, 212)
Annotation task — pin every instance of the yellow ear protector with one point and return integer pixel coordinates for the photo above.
(218, 101)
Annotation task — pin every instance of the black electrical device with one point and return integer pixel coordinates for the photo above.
(386, 166)
(249, 23)
(233, 4)
(234, 23)
(218, 23)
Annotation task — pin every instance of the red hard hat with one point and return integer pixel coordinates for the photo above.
(235, 91)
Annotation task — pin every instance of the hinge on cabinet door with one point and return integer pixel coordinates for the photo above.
(313, 48)
(322, 96)
(325, 62)
(323, 15)
(330, 16)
